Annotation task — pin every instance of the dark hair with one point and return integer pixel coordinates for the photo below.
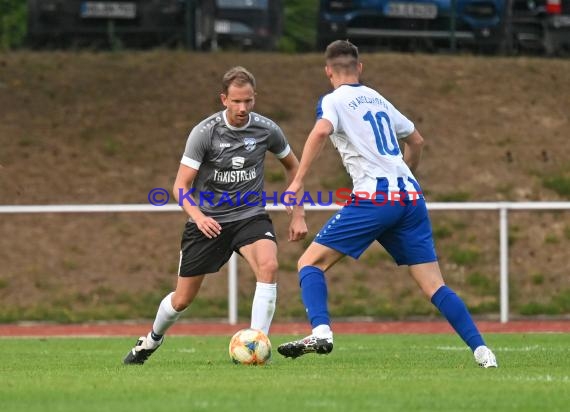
(342, 55)
(239, 76)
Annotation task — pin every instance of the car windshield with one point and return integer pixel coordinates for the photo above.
(242, 4)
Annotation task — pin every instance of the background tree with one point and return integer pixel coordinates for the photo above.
(12, 23)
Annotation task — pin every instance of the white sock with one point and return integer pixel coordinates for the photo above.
(263, 306)
(165, 316)
(323, 331)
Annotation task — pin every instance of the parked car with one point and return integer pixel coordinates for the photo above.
(424, 23)
(130, 22)
(248, 24)
(200, 24)
(542, 26)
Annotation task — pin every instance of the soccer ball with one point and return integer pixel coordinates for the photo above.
(250, 347)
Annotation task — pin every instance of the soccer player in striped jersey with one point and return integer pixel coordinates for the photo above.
(387, 204)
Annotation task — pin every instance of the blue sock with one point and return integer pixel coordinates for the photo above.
(314, 293)
(452, 307)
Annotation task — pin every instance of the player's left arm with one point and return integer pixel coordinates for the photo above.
(413, 147)
(298, 227)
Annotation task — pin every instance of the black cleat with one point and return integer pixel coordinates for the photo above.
(310, 344)
(139, 354)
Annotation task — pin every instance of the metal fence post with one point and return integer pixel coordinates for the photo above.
(504, 262)
(190, 25)
(232, 290)
(452, 26)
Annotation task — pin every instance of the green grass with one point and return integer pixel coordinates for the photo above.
(364, 372)
(557, 304)
(560, 184)
(453, 197)
(464, 256)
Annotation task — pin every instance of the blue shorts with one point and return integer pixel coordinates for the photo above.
(403, 229)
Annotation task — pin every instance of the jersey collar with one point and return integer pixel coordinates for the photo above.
(233, 127)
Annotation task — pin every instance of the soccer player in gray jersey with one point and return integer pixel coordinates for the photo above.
(220, 186)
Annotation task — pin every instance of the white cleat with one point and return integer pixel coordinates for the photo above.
(485, 358)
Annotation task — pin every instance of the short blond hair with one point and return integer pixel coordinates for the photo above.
(239, 76)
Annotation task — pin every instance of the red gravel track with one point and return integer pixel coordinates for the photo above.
(136, 329)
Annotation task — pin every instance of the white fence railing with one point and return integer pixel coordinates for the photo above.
(502, 207)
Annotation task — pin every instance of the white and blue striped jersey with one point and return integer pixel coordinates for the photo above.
(366, 129)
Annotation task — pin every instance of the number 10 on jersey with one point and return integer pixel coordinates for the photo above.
(380, 122)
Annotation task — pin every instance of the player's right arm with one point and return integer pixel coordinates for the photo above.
(197, 146)
(313, 147)
(181, 191)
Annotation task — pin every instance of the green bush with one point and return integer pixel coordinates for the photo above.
(299, 33)
(13, 15)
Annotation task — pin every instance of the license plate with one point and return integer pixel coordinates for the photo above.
(412, 10)
(222, 26)
(115, 10)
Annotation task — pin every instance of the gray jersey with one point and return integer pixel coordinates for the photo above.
(230, 163)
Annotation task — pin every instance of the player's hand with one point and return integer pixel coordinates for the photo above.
(291, 195)
(208, 226)
(298, 228)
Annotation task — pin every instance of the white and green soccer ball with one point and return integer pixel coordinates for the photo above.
(250, 347)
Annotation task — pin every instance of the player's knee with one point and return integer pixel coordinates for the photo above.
(179, 307)
(306, 262)
(180, 303)
(268, 269)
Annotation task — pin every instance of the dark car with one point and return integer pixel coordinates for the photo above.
(248, 24)
(201, 24)
(129, 22)
(427, 23)
(542, 26)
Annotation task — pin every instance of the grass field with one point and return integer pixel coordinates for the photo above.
(364, 373)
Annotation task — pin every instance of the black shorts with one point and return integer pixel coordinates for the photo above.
(200, 255)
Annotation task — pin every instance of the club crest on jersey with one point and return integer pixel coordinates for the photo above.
(249, 143)
(237, 162)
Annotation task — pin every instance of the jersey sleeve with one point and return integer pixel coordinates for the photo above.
(402, 125)
(326, 110)
(278, 144)
(196, 147)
